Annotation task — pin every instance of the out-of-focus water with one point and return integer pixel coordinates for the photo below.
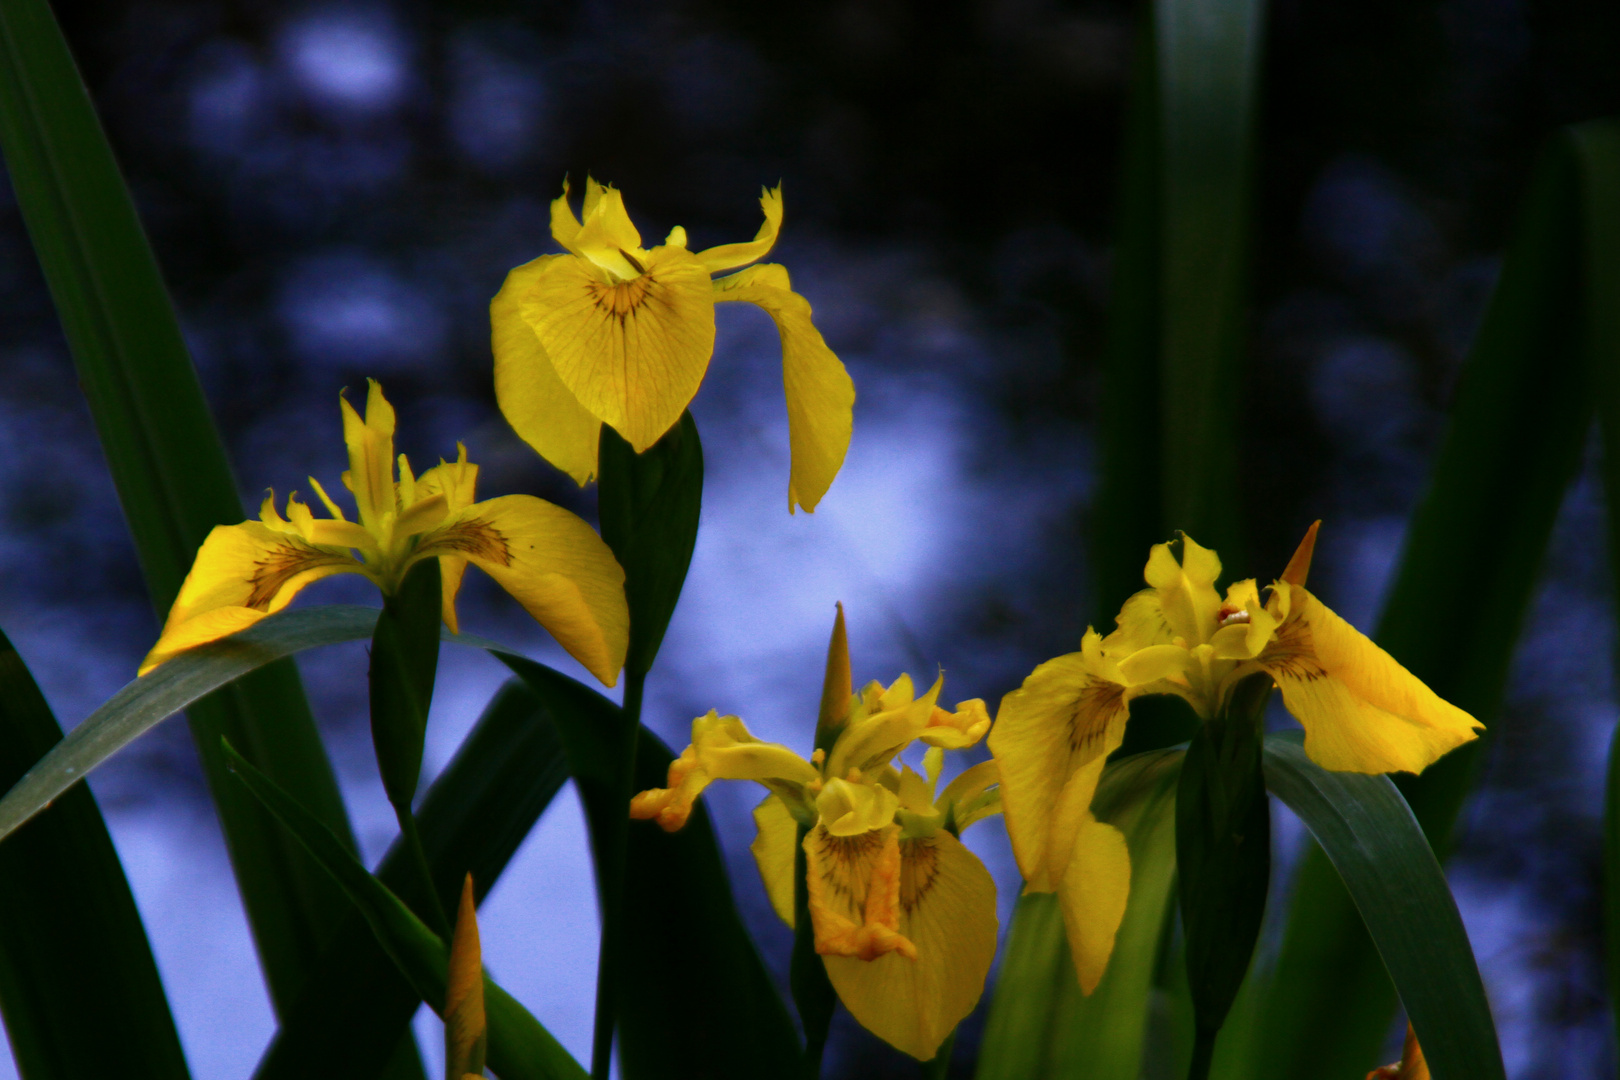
(338, 188)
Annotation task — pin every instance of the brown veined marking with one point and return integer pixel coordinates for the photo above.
(474, 538)
(1292, 652)
(919, 867)
(280, 566)
(847, 868)
(1096, 706)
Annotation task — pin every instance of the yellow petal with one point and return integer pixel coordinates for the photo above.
(1186, 588)
(1154, 663)
(848, 809)
(820, 394)
(869, 743)
(242, 573)
(371, 455)
(731, 256)
(1139, 624)
(633, 353)
(853, 887)
(773, 847)
(947, 910)
(554, 565)
(1361, 710)
(465, 1034)
(564, 225)
(544, 413)
(973, 796)
(457, 481)
(1093, 892)
(960, 729)
(1067, 714)
(671, 806)
(607, 236)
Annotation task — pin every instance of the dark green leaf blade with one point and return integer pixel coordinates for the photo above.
(1040, 1023)
(79, 989)
(679, 913)
(472, 819)
(1379, 850)
(1521, 414)
(209, 669)
(166, 460)
(649, 506)
(520, 1048)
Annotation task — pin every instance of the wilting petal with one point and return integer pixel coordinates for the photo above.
(1361, 710)
(242, 573)
(633, 353)
(543, 411)
(731, 256)
(820, 394)
(671, 806)
(554, 565)
(947, 910)
(1067, 714)
(1093, 892)
(773, 848)
(960, 729)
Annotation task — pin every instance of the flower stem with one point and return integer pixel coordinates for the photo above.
(610, 958)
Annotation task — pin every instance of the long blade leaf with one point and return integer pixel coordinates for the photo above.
(1040, 1023)
(79, 989)
(679, 913)
(177, 685)
(1379, 850)
(166, 461)
(1466, 578)
(520, 1048)
(472, 819)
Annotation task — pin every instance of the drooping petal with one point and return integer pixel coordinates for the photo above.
(820, 394)
(544, 413)
(554, 565)
(731, 256)
(722, 748)
(371, 456)
(1068, 713)
(633, 353)
(853, 887)
(774, 843)
(1361, 710)
(1093, 892)
(241, 574)
(947, 910)
(671, 806)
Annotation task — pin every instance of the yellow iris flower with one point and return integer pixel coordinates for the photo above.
(611, 333)
(904, 915)
(1362, 712)
(553, 563)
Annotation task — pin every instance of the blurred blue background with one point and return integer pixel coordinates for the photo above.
(335, 190)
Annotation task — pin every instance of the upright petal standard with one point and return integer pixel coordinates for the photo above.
(904, 915)
(553, 563)
(612, 333)
(1361, 710)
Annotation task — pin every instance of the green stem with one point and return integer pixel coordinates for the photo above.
(611, 947)
(431, 908)
(938, 1067)
(812, 991)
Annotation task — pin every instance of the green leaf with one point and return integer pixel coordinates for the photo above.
(649, 506)
(1597, 147)
(189, 677)
(358, 1007)
(681, 922)
(1040, 1023)
(1223, 857)
(1520, 418)
(79, 989)
(1381, 854)
(520, 1048)
(166, 461)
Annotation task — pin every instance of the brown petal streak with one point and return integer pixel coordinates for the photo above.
(280, 565)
